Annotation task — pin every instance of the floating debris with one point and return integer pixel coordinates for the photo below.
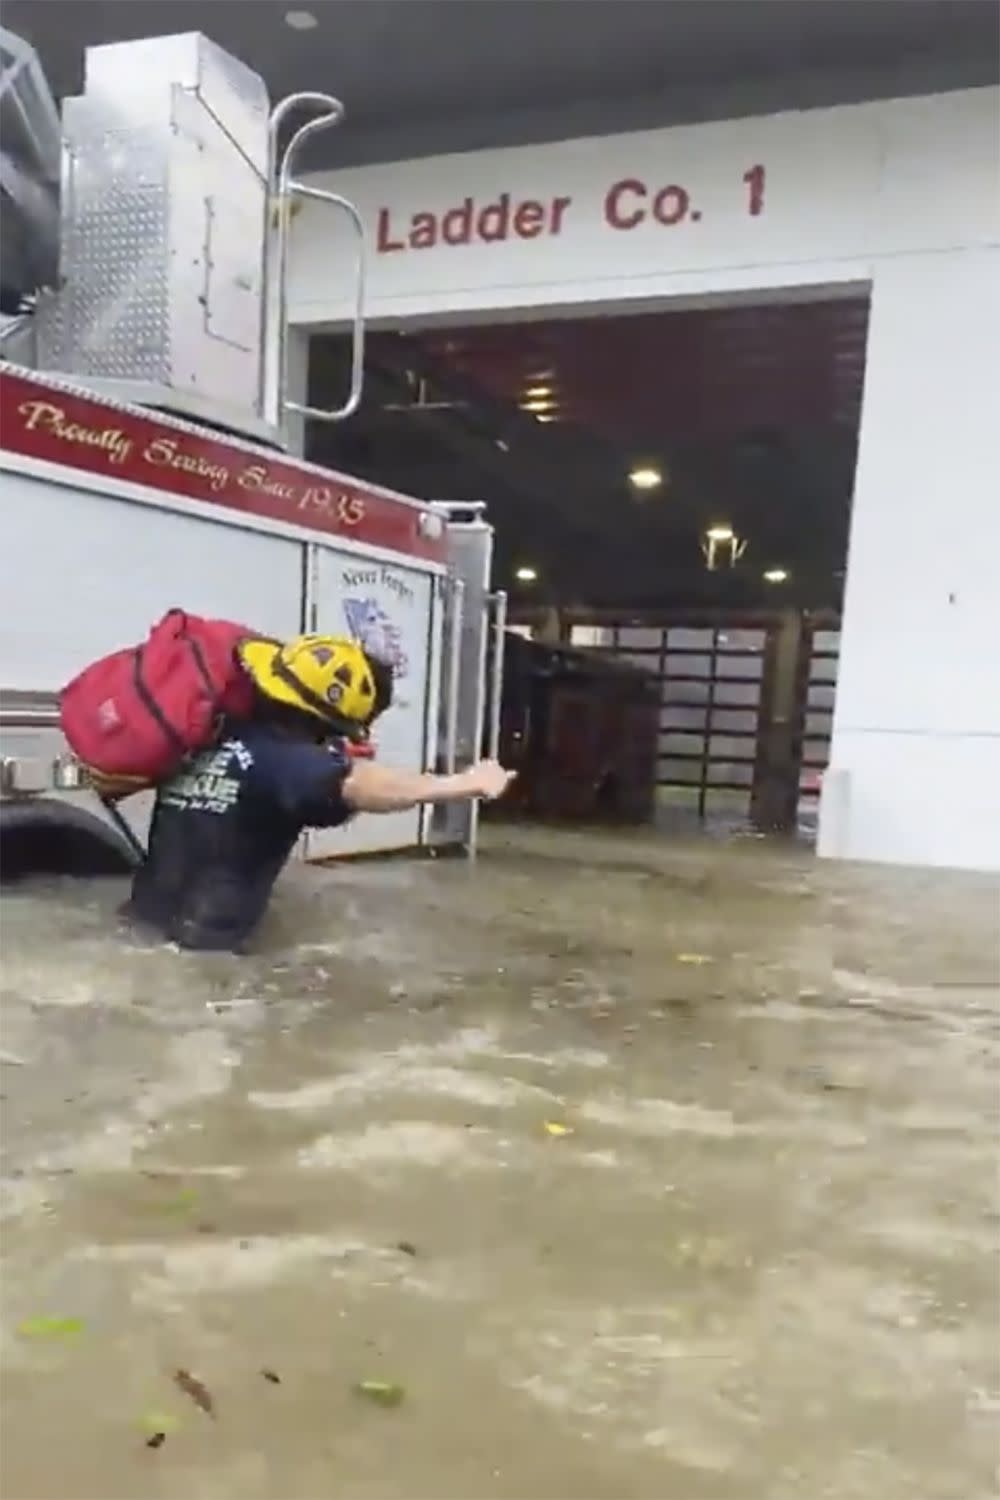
(272, 1376)
(407, 1247)
(199, 1393)
(381, 1392)
(158, 1424)
(178, 1203)
(557, 1128)
(51, 1328)
(156, 1440)
(694, 958)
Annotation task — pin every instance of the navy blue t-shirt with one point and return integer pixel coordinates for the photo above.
(223, 828)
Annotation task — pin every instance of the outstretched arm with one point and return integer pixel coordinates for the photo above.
(379, 789)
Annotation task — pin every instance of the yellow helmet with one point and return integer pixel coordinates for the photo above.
(325, 675)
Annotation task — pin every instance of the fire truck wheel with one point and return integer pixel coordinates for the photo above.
(44, 836)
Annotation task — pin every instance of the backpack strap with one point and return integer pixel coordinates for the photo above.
(123, 828)
(150, 704)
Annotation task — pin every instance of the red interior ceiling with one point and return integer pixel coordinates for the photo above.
(694, 373)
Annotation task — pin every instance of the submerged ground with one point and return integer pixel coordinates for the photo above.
(625, 1169)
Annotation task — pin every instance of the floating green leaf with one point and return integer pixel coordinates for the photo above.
(382, 1392)
(178, 1203)
(153, 1422)
(51, 1328)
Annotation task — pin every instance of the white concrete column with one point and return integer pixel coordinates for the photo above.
(914, 774)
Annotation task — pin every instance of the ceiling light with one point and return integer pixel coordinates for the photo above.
(538, 404)
(526, 575)
(301, 20)
(720, 533)
(776, 575)
(538, 390)
(645, 478)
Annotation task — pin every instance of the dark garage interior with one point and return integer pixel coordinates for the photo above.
(671, 487)
(739, 416)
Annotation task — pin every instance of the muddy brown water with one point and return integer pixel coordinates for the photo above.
(644, 1170)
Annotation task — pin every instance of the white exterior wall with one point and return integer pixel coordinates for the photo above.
(915, 766)
(900, 195)
(845, 189)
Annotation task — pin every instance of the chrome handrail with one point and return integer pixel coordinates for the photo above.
(454, 675)
(29, 718)
(496, 673)
(283, 190)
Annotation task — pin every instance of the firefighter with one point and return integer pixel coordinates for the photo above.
(224, 827)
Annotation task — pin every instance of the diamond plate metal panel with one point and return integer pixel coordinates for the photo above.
(163, 223)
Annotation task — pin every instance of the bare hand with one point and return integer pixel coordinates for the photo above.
(490, 779)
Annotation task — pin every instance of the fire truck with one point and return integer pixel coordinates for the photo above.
(146, 434)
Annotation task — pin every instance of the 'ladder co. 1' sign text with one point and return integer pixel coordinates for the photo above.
(628, 204)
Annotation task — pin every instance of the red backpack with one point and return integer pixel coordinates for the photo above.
(133, 717)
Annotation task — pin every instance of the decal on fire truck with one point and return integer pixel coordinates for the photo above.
(41, 420)
(373, 628)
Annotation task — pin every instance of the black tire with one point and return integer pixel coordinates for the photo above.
(43, 836)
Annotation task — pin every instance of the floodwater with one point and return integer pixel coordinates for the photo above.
(631, 1170)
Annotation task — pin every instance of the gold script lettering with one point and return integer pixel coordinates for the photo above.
(256, 479)
(43, 416)
(351, 509)
(348, 509)
(167, 453)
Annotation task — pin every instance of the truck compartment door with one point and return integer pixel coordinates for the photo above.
(391, 610)
(470, 668)
(82, 574)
